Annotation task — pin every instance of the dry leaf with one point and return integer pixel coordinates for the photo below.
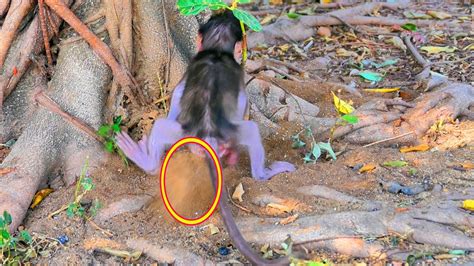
(238, 192)
(341, 52)
(367, 168)
(382, 90)
(438, 14)
(276, 2)
(421, 147)
(279, 207)
(467, 165)
(267, 19)
(468, 204)
(342, 106)
(289, 219)
(397, 42)
(324, 31)
(4, 171)
(469, 47)
(438, 49)
(40, 196)
(213, 229)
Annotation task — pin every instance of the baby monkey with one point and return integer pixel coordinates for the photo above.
(208, 103)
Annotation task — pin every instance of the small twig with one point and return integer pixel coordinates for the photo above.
(168, 42)
(54, 26)
(49, 104)
(325, 239)
(237, 205)
(293, 67)
(451, 62)
(348, 25)
(162, 99)
(104, 231)
(276, 70)
(96, 16)
(389, 139)
(419, 58)
(44, 31)
(78, 38)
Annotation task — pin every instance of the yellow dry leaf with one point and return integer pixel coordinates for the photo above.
(342, 106)
(40, 196)
(382, 90)
(438, 49)
(279, 207)
(289, 219)
(438, 14)
(421, 147)
(341, 52)
(276, 2)
(469, 47)
(467, 165)
(285, 47)
(326, 1)
(367, 168)
(268, 19)
(468, 204)
(238, 192)
(213, 229)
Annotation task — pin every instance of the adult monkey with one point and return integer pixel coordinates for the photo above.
(209, 103)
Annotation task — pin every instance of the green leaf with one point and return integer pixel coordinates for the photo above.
(247, 19)
(327, 147)
(388, 62)
(297, 142)
(109, 145)
(316, 151)
(216, 4)
(104, 130)
(96, 205)
(458, 252)
(2, 222)
(2, 242)
(117, 120)
(80, 211)
(293, 15)
(409, 27)
(351, 119)
(4, 234)
(307, 158)
(71, 209)
(395, 163)
(25, 235)
(244, 1)
(372, 76)
(116, 128)
(7, 217)
(87, 184)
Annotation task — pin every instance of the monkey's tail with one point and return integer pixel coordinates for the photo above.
(234, 231)
(209, 100)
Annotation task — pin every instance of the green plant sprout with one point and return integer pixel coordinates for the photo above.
(194, 7)
(107, 132)
(316, 148)
(14, 249)
(76, 207)
(83, 186)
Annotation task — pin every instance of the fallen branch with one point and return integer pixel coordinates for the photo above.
(17, 12)
(389, 139)
(120, 73)
(49, 104)
(292, 67)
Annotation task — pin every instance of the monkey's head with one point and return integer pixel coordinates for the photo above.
(221, 32)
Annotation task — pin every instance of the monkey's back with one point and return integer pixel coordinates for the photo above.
(209, 100)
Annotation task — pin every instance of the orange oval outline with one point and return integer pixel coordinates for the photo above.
(164, 167)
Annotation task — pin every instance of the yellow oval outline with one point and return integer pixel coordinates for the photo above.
(164, 166)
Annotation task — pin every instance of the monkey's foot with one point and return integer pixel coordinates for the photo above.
(275, 168)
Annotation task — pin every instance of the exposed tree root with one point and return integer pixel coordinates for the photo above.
(304, 27)
(29, 44)
(120, 73)
(47, 142)
(4, 5)
(436, 224)
(167, 255)
(450, 102)
(18, 10)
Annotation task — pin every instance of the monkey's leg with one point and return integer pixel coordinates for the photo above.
(249, 136)
(147, 153)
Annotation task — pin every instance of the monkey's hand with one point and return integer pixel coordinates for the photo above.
(276, 168)
(137, 153)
